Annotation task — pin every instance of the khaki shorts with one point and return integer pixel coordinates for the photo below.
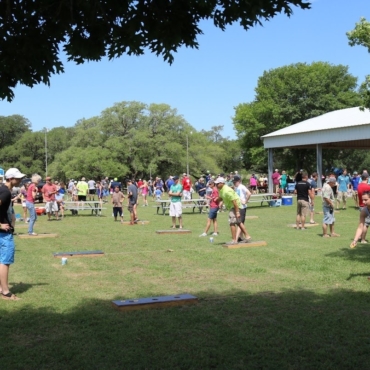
(342, 195)
(233, 219)
(302, 208)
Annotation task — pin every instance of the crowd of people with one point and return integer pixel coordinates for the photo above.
(218, 192)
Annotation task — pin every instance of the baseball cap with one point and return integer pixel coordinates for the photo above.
(236, 178)
(220, 180)
(14, 173)
(332, 179)
(175, 178)
(115, 179)
(355, 173)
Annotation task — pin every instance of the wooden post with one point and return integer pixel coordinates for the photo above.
(319, 164)
(270, 170)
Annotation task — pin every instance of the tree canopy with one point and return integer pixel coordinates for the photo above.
(360, 35)
(127, 139)
(288, 95)
(32, 32)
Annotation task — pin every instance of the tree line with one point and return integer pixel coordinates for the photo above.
(129, 139)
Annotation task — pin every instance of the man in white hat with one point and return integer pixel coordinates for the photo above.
(7, 248)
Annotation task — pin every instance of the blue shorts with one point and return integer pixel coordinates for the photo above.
(329, 218)
(7, 249)
(212, 215)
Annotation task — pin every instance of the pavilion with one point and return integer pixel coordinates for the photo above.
(342, 129)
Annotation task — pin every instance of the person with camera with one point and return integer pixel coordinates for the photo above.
(7, 248)
(328, 208)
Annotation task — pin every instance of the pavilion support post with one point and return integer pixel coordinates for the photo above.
(270, 165)
(319, 164)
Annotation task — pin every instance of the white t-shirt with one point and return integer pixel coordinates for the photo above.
(91, 184)
(243, 192)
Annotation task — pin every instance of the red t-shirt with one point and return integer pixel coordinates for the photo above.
(29, 197)
(139, 183)
(186, 184)
(362, 186)
(46, 190)
(214, 195)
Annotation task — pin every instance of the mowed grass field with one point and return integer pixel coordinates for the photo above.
(301, 302)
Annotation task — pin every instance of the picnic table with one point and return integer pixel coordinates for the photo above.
(262, 197)
(94, 206)
(164, 205)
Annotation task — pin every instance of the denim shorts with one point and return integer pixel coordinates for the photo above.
(7, 248)
(212, 215)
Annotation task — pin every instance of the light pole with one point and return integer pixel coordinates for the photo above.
(187, 153)
(46, 152)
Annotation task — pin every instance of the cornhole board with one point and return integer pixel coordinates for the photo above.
(42, 235)
(154, 302)
(259, 243)
(137, 223)
(173, 231)
(250, 217)
(79, 254)
(305, 225)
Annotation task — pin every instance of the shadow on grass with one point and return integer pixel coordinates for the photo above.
(288, 330)
(360, 254)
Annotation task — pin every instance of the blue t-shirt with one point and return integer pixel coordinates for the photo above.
(343, 182)
(355, 181)
(200, 186)
(158, 192)
(169, 183)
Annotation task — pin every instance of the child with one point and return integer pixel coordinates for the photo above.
(158, 194)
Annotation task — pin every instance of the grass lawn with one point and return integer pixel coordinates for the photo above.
(301, 302)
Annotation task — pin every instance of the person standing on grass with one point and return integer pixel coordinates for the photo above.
(186, 185)
(213, 209)
(92, 190)
(362, 188)
(244, 195)
(51, 206)
(328, 200)
(276, 180)
(117, 200)
(82, 189)
(313, 181)
(355, 181)
(233, 204)
(30, 202)
(175, 206)
(253, 182)
(132, 201)
(144, 193)
(343, 187)
(7, 248)
(305, 193)
(364, 221)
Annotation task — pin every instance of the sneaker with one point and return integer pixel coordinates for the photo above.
(204, 234)
(215, 234)
(363, 241)
(232, 243)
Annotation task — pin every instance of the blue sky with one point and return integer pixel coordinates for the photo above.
(203, 85)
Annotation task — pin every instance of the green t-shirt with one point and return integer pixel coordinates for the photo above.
(228, 195)
(82, 188)
(176, 189)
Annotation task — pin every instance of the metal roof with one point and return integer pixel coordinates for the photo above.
(348, 127)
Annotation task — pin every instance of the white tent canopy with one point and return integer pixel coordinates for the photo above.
(341, 129)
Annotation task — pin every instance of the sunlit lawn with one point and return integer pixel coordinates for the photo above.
(301, 302)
